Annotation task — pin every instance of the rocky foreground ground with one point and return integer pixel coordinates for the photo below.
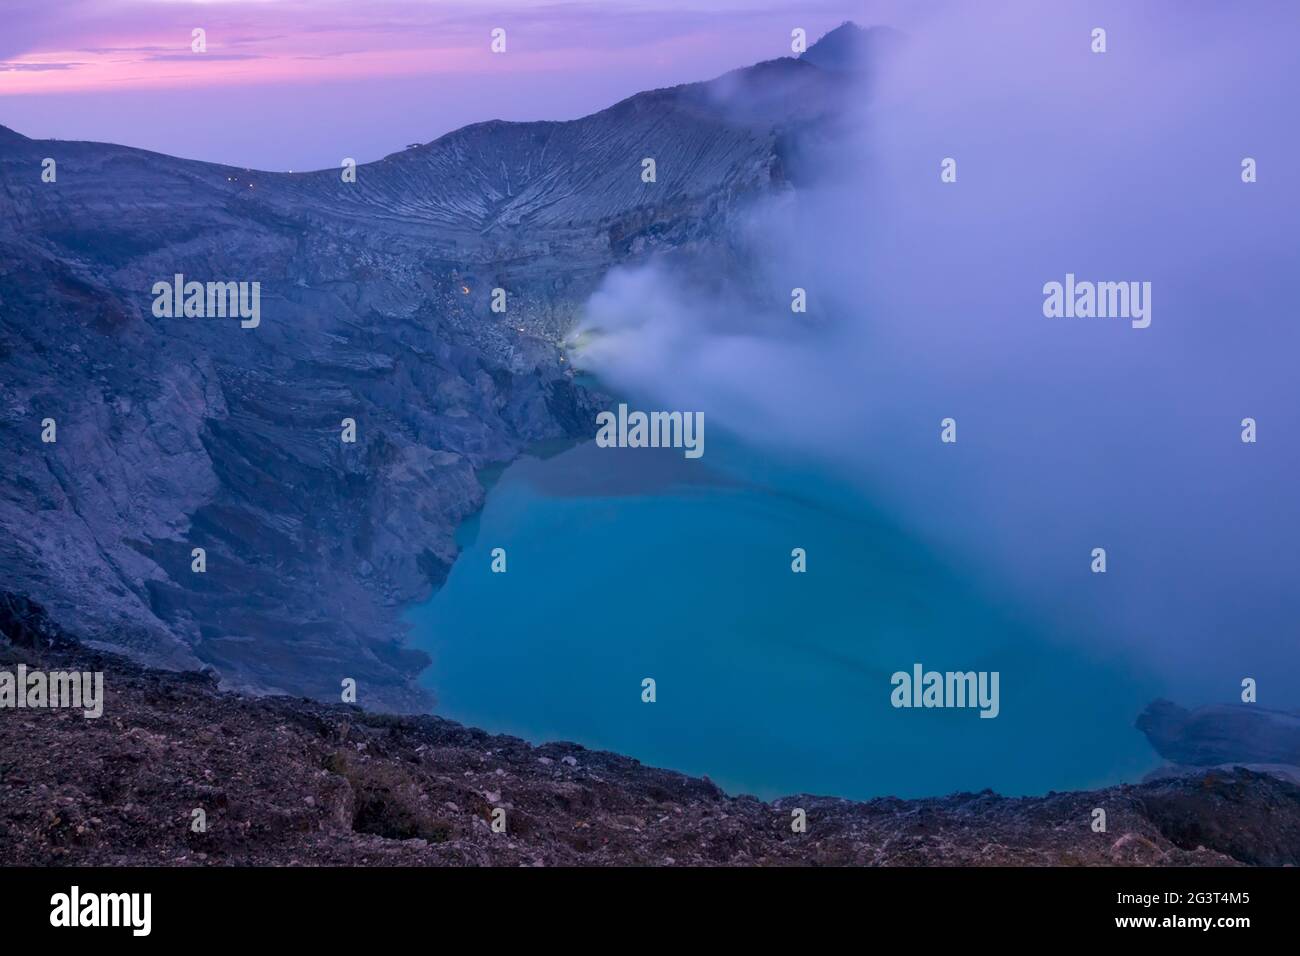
(291, 781)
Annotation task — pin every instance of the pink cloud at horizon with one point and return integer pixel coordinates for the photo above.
(147, 43)
(286, 83)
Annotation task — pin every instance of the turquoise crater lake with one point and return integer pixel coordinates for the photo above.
(633, 563)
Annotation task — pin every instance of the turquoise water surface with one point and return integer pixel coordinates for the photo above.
(633, 563)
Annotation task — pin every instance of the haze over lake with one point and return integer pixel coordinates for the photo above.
(633, 563)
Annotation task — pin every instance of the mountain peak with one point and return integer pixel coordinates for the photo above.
(851, 48)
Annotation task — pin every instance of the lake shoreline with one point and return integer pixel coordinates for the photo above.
(528, 660)
(352, 787)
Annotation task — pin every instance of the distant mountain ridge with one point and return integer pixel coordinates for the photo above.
(181, 433)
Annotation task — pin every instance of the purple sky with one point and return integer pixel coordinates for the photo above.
(298, 84)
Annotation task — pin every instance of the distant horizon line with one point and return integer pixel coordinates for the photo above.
(451, 132)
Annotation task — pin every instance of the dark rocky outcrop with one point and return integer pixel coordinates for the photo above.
(292, 781)
(1207, 736)
(1222, 737)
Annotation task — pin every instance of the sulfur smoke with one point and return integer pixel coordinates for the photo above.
(925, 302)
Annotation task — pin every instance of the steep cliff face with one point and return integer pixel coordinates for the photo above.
(177, 433)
